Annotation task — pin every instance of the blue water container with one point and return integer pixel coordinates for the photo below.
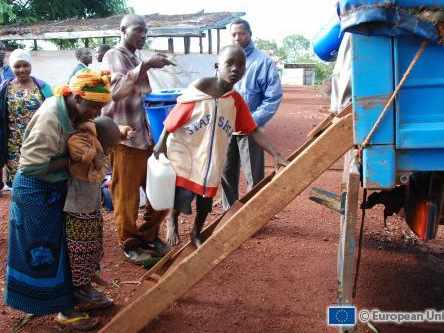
(327, 42)
(157, 106)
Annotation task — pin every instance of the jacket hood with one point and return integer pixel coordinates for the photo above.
(192, 94)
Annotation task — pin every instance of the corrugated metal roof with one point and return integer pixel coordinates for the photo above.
(193, 25)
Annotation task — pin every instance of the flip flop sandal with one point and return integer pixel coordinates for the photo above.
(131, 244)
(80, 322)
(91, 300)
(22, 323)
(95, 305)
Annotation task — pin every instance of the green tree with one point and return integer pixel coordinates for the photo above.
(323, 70)
(28, 11)
(266, 45)
(295, 48)
(6, 12)
(270, 45)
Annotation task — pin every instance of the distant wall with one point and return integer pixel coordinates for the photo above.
(298, 76)
(55, 67)
(293, 76)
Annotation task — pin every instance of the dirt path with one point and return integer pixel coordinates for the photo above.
(283, 279)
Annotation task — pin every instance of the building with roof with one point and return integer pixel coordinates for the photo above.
(299, 74)
(197, 25)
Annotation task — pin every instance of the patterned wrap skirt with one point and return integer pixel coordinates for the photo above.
(84, 236)
(38, 278)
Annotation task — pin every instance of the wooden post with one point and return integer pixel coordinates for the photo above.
(250, 218)
(187, 43)
(35, 45)
(347, 238)
(210, 42)
(200, 45)
(104, 40)
(218, 41)
(170, 45)
(86, 42)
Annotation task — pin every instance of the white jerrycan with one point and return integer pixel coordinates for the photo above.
(160, 182)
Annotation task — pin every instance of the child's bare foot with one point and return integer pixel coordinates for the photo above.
(172, 236)
(196, 238)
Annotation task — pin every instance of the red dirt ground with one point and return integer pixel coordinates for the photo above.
(283, 279)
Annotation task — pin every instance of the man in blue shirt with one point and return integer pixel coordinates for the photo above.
(261, 89)
(84, 58)
(6, 72)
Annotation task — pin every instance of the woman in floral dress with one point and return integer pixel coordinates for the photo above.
(20, 97)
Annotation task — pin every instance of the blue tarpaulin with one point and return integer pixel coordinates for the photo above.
(389, 17)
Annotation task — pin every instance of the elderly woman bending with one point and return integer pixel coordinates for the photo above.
(38, 280)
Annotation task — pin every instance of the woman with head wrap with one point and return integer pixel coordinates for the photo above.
(20, 97)
(38, 279)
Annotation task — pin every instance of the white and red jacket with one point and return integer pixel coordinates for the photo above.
(200, 128)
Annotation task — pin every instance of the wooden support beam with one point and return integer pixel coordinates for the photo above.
(170, 45)
(345, 111)
(35, 45)
(200, 45)
(331, 116)
(86, 41)
(253, 215)
(347, 237)
(104, 40)
(328, 199)
(218, 41)
(187, 43)
(319, 128)
(210, 42)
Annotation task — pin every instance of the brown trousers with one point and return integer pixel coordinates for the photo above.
(129, 173)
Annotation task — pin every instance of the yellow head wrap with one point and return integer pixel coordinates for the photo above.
(89, 85)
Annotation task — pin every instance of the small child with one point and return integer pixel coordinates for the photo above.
(196, 137)
(84, 59)
(87, 148)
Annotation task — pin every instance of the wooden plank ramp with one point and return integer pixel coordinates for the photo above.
(180, 271)
(174, 257)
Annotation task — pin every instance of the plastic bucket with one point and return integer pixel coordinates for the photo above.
(328, 40)
(157, 106)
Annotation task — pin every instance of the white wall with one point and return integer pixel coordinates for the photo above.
(55, 67)
(293, 76)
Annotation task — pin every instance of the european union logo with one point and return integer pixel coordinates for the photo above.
(341, 315)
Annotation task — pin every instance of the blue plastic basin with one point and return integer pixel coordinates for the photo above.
(157, 106)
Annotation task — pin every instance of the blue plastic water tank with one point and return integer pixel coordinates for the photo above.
(157, 106)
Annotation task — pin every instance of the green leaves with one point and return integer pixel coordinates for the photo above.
(6, 11)
(296, 49)
(28, 11)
